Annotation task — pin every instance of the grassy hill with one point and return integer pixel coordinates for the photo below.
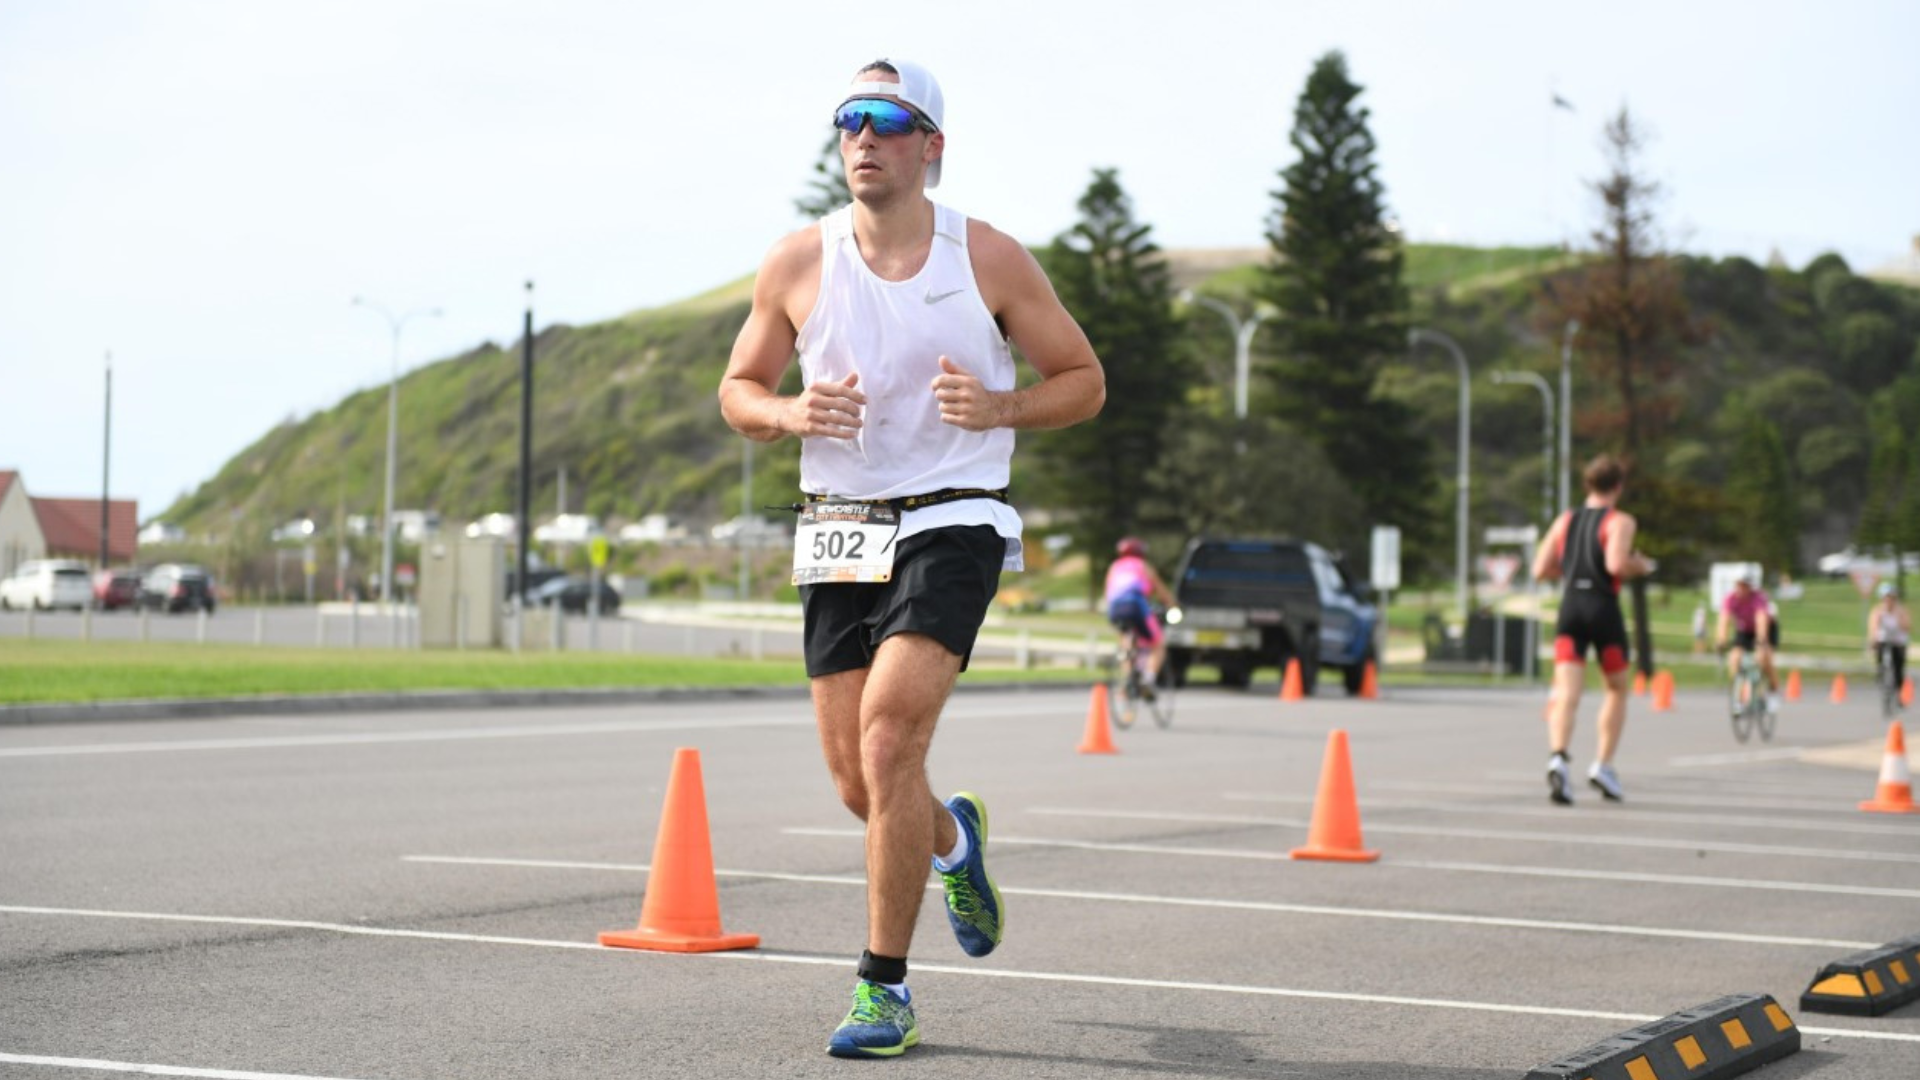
(627, 408)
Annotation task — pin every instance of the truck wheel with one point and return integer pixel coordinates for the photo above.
(1236, 673)
(1178, 661)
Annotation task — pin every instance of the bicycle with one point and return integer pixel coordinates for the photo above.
(1125, 694)
(1889, 686)
(1747, 700)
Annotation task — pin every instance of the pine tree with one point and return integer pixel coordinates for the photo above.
(1335, 276)
(1111, 277)
(827, 191)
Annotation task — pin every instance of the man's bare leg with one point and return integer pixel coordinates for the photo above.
(876, 726)
(1568, 682)
(1613, 716)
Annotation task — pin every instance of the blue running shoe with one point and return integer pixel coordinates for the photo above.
(973, 901)
(879, 1025)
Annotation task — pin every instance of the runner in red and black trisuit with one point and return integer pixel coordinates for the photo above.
(1591, 548)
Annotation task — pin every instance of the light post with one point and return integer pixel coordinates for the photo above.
(1566, 411)
(1242, 343)
(1415, 338)
(1546, 430)
(393, 436)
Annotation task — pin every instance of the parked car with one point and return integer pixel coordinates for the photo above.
(115, 589)
(571, 594)
(45, 584)
(177, 587)
(1246, 604)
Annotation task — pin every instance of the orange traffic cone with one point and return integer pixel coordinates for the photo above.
(1895, 793)
(1793, 685)
(1335, 832)
(1906, 691)
(1663, 691)
(1639, 684)
(1292, 688)
(1839, 693)
(681, 912)
(1099, 736)
(1370, 683)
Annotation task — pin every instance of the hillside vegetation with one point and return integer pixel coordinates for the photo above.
(627, 408)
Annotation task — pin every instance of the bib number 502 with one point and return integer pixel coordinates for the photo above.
(836, 544)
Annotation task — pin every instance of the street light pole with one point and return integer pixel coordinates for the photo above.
(106, 469)
(1546, 435)
(393, 437)
(1415, 338)
(1242, 344)
(1566, 411)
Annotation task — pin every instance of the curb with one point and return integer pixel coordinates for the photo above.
(420, 701)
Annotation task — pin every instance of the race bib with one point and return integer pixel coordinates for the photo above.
(838, 542)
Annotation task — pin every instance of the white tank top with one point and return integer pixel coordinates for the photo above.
(1890, 632)
(894, 333)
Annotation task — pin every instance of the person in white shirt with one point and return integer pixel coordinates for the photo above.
(1889, 627)
(902, 312)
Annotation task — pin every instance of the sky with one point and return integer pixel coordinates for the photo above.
(200, 188)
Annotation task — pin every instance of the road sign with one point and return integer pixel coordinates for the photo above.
(1513, 534)
(1385, 564)
(597, 552)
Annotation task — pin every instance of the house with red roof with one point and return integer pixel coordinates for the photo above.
(54, 528)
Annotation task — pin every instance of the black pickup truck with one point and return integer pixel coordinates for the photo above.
(1247, 604)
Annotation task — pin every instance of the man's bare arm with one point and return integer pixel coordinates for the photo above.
(1546, 558)
(749, 398)
(1072, 385)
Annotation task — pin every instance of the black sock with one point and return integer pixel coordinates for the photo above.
(891, 970)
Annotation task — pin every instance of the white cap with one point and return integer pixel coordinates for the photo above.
(916, 89)
(1886, 589)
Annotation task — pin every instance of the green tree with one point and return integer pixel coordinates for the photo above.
(1112, 278)
(1761, 491)
(1335, 276)
(827, 188)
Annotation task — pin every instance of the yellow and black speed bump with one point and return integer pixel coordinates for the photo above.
(1725, 1037)
(1868, 983)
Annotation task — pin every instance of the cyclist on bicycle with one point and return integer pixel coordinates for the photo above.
(1748, 614)
(1889, 626)
(1132, 586)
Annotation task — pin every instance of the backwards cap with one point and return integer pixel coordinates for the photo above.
(917, 89)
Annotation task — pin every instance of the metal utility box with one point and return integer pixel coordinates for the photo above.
(463, 584)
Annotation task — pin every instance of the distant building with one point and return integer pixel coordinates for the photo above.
(159, 532)
(1900, 271)
(51, 528)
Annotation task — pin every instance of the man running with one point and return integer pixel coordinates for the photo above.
(1591, 547)
(902, 312)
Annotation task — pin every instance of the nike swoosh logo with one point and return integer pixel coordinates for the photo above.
(934, 297)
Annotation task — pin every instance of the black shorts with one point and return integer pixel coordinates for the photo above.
(1746, 639)
(1591, 621)
(943, 580)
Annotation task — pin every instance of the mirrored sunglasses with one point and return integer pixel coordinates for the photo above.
(887, 117)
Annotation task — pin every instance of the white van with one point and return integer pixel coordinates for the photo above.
(47, 583)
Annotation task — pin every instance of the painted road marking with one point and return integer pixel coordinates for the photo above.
(97, 1065)
(1197, 902)
(799, 716)
(1841, 889)
(1837, 806)
(770, 956)
(1614, 814)
(1493, 834)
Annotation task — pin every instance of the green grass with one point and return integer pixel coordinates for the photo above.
(48, 672)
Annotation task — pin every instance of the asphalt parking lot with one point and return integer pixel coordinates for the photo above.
(417, 894)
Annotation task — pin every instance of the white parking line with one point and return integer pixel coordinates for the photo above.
(1590, 839)
(97, 1065)
(1201, 902)
(1481, 868)
(798, 716)
(769, 956)
(1625, 814)
(1657, 798)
